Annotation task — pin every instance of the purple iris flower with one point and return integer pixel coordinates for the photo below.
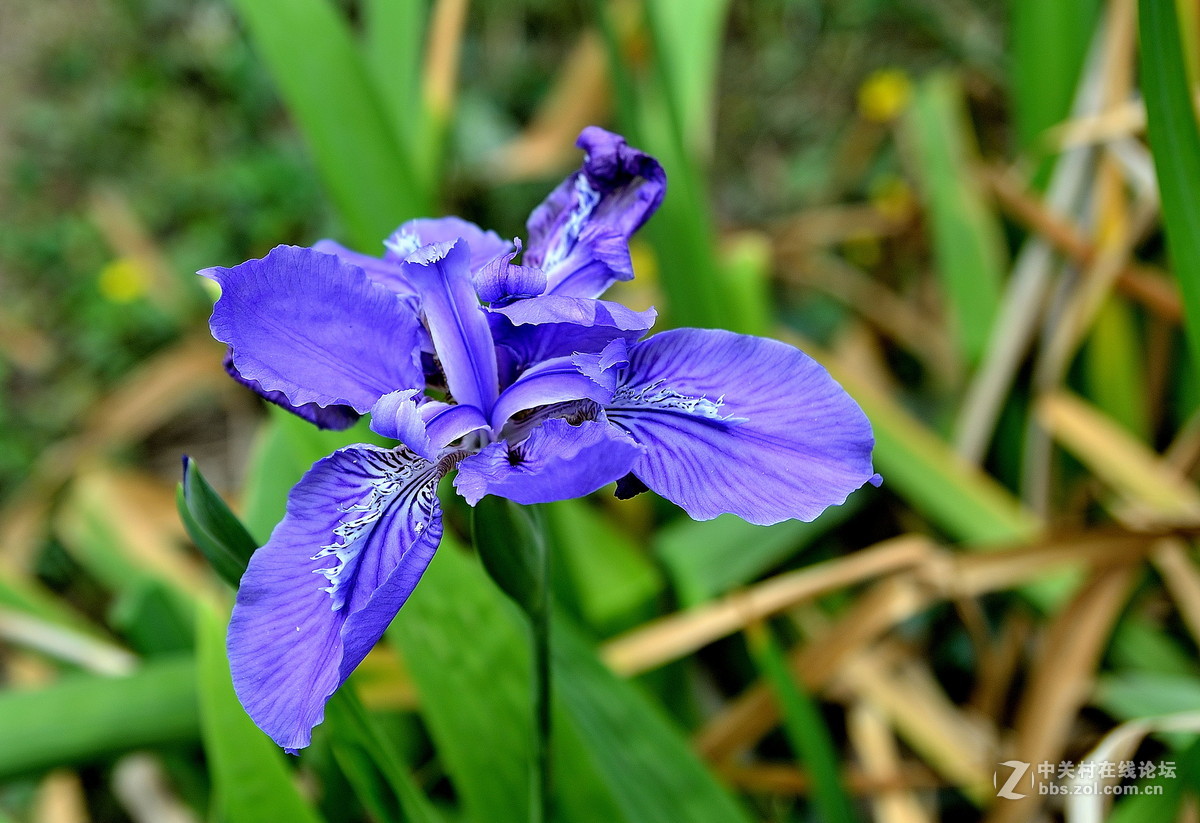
(514, 376)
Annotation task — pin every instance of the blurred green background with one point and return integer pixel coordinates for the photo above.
(953, 204)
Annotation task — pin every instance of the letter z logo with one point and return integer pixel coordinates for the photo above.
(1019, 768)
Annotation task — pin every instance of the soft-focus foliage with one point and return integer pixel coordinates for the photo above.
(953, 204)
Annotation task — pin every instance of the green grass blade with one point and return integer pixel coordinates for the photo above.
(806, 732)
(708, 558)
(1113, 360)
(329, 91)
(87, 717)
(363, 753)
(395, 32)
(650, 112)
(250, 781)
(613, 584)
(647, 764)
(1175, 142)
(1049, 44)
(968, 245)
(687, 38)
(919, 466)
(1165, 805)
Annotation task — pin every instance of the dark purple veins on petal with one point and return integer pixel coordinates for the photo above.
(360, 529)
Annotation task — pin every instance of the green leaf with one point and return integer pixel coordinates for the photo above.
(687, 39)
(1049, 43)
(1116, 378)
(469, 658)
(328, 89)
(647, 764)
(250, 781)
(708, 558)
(656, 112)
(1169, 793)
(83, 718)
(807, 733)
(365, 755)
(512, 545)
(968, 245)
(213, 527)
(613, 584)
(1175, 142)
(395, 30)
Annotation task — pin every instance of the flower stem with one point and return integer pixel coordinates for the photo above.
(539, 808)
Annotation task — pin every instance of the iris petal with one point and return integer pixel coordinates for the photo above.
(579, 233)
(360, 528)
(385, 272)
(425, 231)
(554, 381)
(500, 280)
(461, 338)
(315, 329)
(741, 424)
(554, 325)
(323, 417)
(398, 416)
(558, 461)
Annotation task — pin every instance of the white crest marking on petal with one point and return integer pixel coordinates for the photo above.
(392, 473)
(588, 198)
(656, 396)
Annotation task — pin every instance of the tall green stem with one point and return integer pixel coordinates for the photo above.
(539, 809)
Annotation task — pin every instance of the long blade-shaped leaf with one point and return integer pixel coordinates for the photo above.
(88, 717)
(470, 661)
(1175, 141)
(218, 534)
(250, 779)
(648, 766)
(328, 89)
(807, 733)
(968, 246)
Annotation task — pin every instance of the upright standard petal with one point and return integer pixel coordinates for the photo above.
(461, 338)
(579, 234)
(313, 328)
(741, 424)
(426, 231)
(554, 325)
(323, 417)
(360, 528)
(383, 271)
(557, 461)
